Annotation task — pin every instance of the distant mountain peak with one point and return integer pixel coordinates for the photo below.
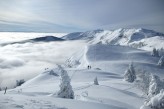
(121, 36)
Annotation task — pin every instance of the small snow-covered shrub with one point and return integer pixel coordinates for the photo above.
(20, 82)
(155, 52)
(130, 74)
(161, 62)
(51, 72)
(65, 85)
(156, 102)
(96, 81)
(72, 63)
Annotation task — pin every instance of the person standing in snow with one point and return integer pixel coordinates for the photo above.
(5, 90)
(88, 66)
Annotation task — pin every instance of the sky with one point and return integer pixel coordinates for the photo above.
(80, 15)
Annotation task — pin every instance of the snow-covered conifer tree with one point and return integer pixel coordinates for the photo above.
(155, 52)
(154, 86)
(161, 52)
(130, 74)
(161, 62)
(143, 80)
(96, 81)
(155, 102)
(65, 85)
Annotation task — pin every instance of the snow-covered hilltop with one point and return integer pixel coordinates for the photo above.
(138, 38)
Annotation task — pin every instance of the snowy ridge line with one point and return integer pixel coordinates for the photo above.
(137, 38)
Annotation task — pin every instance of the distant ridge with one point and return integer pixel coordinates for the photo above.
(134, 37)
(38, 39)
(47, 39)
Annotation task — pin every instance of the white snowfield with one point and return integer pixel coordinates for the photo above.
(108, 61)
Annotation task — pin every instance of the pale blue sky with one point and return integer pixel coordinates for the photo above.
(80, 15)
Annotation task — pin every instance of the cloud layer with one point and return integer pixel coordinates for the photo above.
(24, 61)
(79, 15)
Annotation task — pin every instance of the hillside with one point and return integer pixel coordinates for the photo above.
(108, 63)
(138, 38)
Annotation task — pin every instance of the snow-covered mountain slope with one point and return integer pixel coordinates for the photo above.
(82, 35)
(108, 61)
(149, 43)
(121, 37)
(110, 57)
(108, 64)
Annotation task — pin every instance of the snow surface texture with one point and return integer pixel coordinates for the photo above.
(108, 63)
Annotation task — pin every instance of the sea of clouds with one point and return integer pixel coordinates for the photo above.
(26, 60)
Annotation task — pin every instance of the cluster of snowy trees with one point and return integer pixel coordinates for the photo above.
(155, 52)
(156, 102)
(151, 85)
(159, 53)
(143, 80)
(155, 97)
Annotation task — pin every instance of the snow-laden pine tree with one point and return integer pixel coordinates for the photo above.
(130, 74)
(96, 81)
(154, 86)
(161, 52)
(155, 102)
(155, 52)
(143, 81)
(65, 85)
(161, 62)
